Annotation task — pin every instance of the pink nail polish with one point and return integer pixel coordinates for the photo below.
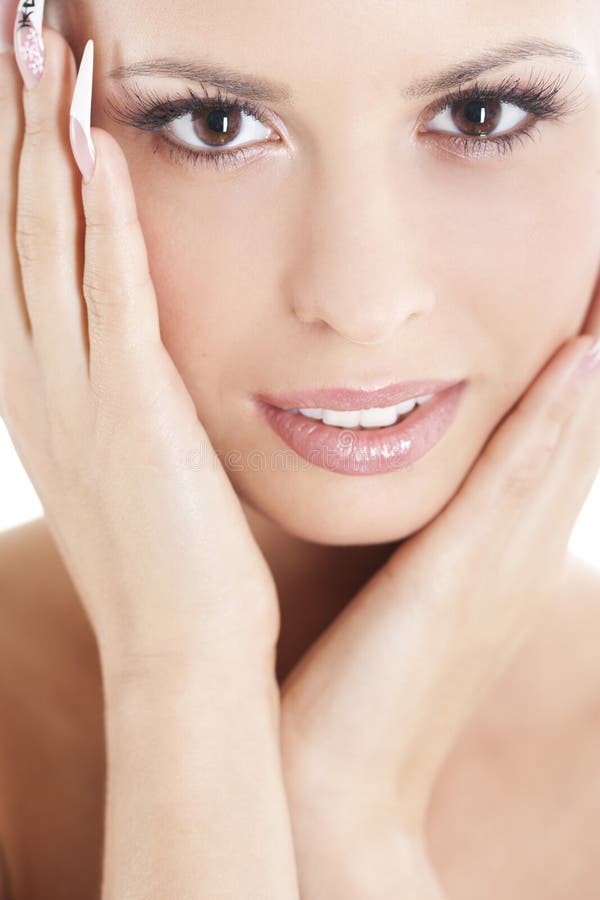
(29, 41)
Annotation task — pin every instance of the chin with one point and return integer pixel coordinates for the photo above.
(346, 511)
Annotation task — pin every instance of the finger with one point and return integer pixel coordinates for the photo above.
(119, 292)
(49, 226)
(15, 348)
(7, 19)
(509, 469)
(516, 511)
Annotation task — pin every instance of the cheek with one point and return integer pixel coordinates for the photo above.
(211, 257)
(521, 260)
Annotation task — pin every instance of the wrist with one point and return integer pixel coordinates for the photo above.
(184, 647)
(225, 672)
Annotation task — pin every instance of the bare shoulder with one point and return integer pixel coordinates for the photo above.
(45, 631)
(51, 741)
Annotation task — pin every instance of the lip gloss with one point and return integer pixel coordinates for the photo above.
(367, 451)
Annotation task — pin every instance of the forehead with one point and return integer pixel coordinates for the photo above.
(308, 43)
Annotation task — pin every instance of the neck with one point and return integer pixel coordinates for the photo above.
(314, 582)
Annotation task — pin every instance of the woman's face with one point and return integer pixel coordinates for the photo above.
(361, 241)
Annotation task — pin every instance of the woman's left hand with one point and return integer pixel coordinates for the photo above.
(373, 709)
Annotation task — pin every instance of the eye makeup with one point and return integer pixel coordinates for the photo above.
(541, 97)
(150, 110)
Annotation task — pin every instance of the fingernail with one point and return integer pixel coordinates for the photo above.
(7, 25)
(81, 114)
(590, 363)
(28, 40)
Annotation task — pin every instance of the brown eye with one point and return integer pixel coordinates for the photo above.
(203, 129)
(477, 117)
(474, 118)
(217, 126)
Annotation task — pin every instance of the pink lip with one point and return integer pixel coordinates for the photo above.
(346, 399)
(368, 451)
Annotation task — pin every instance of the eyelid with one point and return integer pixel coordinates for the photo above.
(141, 107)
(539, 93)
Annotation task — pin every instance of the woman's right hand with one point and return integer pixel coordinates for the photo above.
(181, 599)
(159, 549)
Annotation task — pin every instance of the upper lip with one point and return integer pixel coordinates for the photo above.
(351, 399)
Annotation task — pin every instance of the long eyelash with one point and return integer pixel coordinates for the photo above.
(538, 96)
(152, 111)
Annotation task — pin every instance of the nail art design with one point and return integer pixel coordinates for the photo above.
(81, 113)
(29, 41)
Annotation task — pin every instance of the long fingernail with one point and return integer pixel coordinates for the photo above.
(28, 40)
(81, 115)
(7, 25)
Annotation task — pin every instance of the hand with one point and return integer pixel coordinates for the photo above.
(372, 710)
(161, 553)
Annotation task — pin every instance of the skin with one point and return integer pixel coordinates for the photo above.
(310, 302)
(524, 439)
(304, 304)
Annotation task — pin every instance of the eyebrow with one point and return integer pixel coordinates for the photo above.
(253, 87)
(261, 89)
(492, 58)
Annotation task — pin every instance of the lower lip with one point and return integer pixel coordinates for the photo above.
(371, 451)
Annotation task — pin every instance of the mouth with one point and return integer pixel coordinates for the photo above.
(361, 439)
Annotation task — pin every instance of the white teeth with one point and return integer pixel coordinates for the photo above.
(343, 418)
(375, 417)
(379, 416)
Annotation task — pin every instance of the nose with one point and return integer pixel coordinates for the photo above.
(357, 268)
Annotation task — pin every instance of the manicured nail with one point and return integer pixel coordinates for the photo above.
(7, 25)
(590, 363)
(81, 114)
(28, 40)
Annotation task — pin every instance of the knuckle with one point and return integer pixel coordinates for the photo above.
(541, 436)
(28, 234)
(38, 123)
(98, 229)
(104, 297)
(112, 293)
(525, 473)
(557, 413)
(97, 291)
(34, 239)
(519, 480)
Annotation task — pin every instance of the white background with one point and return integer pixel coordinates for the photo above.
(20, 503)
